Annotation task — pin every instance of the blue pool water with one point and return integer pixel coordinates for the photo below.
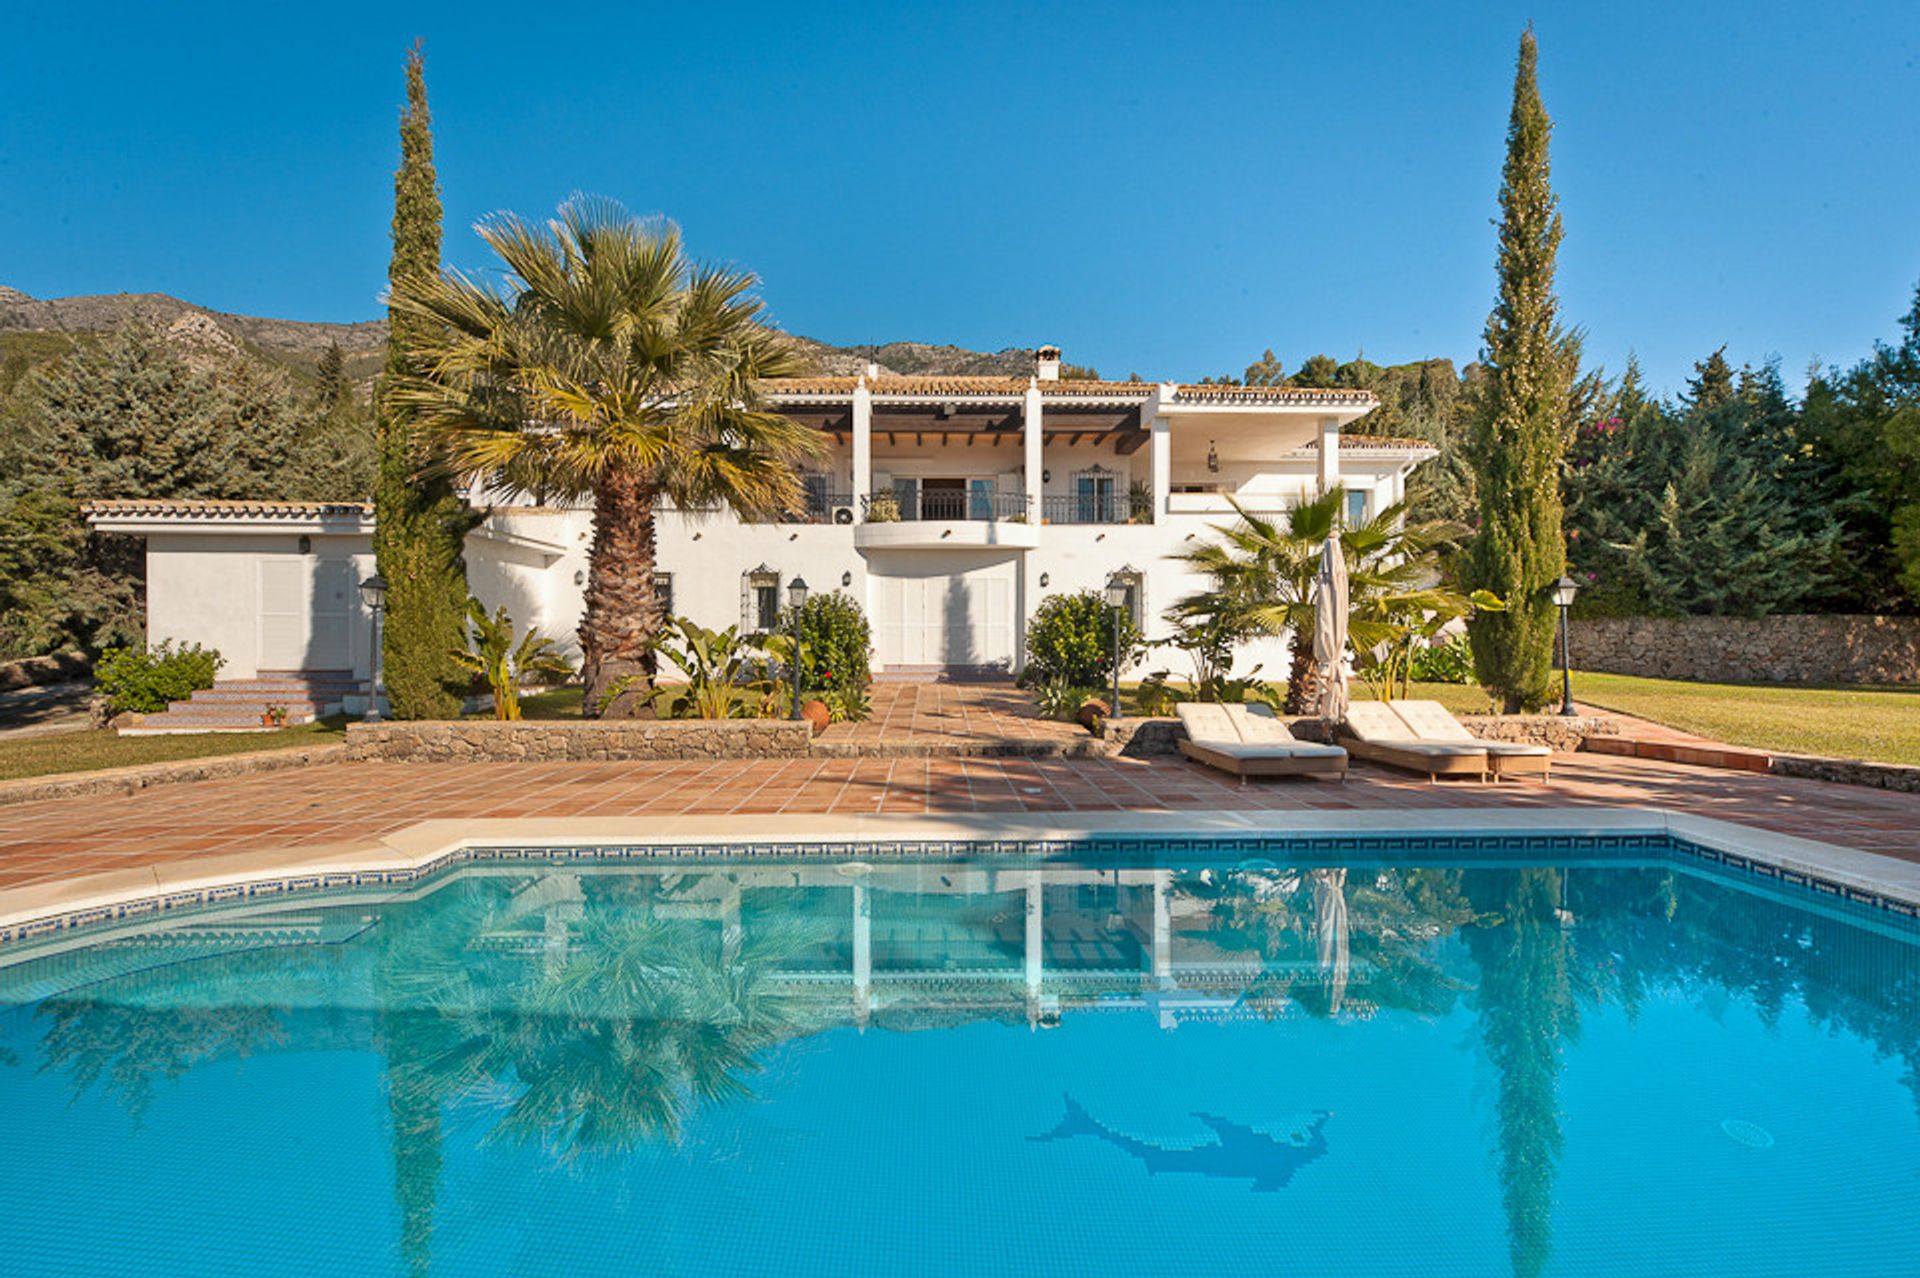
(1505, 1065)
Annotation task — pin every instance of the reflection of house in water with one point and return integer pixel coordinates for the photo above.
(902, 946)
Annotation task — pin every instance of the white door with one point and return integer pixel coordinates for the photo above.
(945, 618)
(306, 613)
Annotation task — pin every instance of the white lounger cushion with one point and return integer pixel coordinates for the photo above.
(1375, 723)
(1431, 721)
(1258, 727)
(1214, 727)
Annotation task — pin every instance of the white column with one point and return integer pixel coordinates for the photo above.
(862, 955)
(1160, 458)
(1163, 928)
(862, 448)
(1036, 935)
(1030, 419)
(1329, 459)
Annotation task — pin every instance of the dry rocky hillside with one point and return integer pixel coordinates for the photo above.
(300, 343)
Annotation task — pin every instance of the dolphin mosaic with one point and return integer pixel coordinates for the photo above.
(1237, 1153)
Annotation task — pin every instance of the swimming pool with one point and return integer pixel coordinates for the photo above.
(1533, 1058)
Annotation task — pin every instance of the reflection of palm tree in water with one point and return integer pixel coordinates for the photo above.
(1526, 1012)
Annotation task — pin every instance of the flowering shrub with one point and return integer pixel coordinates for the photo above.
(836, 643)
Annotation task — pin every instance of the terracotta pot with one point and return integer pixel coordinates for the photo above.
(1092, 713)
(816, 713)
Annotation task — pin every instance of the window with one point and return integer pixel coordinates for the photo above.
(663, 592)
(906, 492)
(1093, 496)
(1356, 507)
(815, 487)
(760, 601)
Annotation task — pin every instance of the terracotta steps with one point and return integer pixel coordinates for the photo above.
(236, 705)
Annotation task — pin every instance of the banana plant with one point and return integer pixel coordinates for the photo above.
(719, 668)
(492, 654)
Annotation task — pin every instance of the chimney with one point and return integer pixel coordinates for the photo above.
(1046, 363)
(873, 370)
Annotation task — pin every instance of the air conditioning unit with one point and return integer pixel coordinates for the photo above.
(843, 514)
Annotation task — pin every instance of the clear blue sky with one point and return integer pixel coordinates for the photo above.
(1160, 189)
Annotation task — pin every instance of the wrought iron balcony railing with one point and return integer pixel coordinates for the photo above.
(907, 505)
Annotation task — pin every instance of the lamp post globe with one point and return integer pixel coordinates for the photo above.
(796, 600)
(1563, 592)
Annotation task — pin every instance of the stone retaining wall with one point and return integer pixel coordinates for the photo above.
(533, 741)
(73, 785)
(1880, 776)
(1801, 649)
(34, 672)
(1152, 738)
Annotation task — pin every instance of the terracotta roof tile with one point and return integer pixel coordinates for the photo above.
(1195, 394)
(1011, 387)
(226, 509)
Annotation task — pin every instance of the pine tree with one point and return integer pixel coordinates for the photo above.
(1519, 436)
(332, 370)
(1266, 371)
(420, 523)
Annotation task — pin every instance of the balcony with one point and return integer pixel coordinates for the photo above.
(1097, 508)
(934, 519)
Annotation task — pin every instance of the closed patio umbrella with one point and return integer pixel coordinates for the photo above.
(1330, 932)
(1330, 632)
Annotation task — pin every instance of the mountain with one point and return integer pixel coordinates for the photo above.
(299, 344)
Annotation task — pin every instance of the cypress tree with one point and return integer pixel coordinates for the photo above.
(1519, 551)
(420, 522)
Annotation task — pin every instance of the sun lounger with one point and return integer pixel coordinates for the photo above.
(1219, 739)
(1431, 721)
(1379, 734)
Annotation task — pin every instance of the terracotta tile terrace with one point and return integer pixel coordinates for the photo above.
(337, 802)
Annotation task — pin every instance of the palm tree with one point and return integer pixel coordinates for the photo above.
(613, 368)
(1261, 578)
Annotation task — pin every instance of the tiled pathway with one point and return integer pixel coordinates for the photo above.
(945, 713)
(343, 801)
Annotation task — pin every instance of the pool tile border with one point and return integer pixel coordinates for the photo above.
(417, 854)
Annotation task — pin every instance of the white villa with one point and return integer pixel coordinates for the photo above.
(947, 506)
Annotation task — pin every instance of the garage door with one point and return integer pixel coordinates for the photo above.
(934, 618)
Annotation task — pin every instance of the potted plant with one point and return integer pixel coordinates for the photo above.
(884, 508)
(274, 716)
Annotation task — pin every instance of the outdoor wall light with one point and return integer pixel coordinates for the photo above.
(1213, 458)
(1044, 580)
(579, 576)
(306, 545)
(1046, 476)
(846, 579)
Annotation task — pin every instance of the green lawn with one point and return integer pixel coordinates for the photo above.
(89, 750)
(1880, 723)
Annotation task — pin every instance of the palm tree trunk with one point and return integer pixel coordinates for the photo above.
(623, 613)
(1300, 677)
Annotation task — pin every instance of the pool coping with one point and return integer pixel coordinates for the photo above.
(37, 911)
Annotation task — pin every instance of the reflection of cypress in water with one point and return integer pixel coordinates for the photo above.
(1526, 1012)
(413, 1108)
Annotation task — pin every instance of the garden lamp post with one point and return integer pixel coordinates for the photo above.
(373, 593)
(1116, 600)
(1563, 592)
(796, 600)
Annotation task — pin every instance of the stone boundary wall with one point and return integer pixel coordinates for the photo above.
(535, 741)
(1795, 649)
(33, 672)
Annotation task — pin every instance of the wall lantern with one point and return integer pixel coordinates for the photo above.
(846, 579)
(1213, 458)
(306, 544)
(1045, 580)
